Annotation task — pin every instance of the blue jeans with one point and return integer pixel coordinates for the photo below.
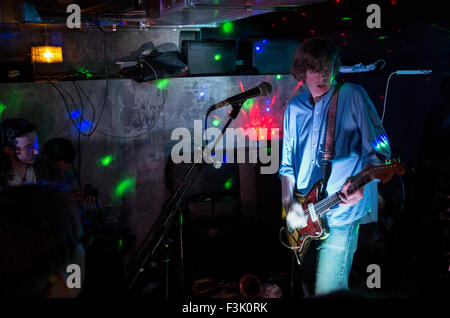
(335, 258)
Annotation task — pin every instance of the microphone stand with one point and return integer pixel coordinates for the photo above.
(164, 221)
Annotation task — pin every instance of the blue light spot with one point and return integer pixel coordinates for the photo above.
(75, 114)
(268, 109)
(267, 101)
(85, 126)
(264, 41)
(201, 94)
(257, 48)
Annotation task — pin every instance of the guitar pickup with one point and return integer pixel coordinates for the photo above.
(312, 212)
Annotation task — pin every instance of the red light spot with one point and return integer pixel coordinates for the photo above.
(312, 31)
(427, 79)
(381, 97)
(284, 19)
(342, 34)
(345, 43)
(273, 25)
(304, 14)
(389, 51)
(393, 3)
(399, 31)
(337, 1)
(241, 85)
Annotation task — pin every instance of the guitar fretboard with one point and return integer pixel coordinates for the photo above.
(329, 202)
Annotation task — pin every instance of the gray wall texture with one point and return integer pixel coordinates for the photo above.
(135, 128)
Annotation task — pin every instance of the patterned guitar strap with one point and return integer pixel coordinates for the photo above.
(328, 154)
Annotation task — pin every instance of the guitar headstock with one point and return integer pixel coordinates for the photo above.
(387, 170)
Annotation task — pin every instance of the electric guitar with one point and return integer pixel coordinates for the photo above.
(315, 207)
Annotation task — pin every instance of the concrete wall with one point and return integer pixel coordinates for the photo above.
(81, 48)
(141, 117)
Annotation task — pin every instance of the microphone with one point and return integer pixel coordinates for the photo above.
(263, 89)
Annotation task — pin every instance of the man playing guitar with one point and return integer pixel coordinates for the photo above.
(359, 141)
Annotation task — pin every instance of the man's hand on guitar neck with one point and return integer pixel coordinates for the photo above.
(349, 199)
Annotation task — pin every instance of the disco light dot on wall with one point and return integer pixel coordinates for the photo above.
(2, 108)
(228, 27)
(228, 184)
(163, 84)
(75, 114)
(217, 57)
(84, 126)
(248, 104)
(125, 187)
(106, 160)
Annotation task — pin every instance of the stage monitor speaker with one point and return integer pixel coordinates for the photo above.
(269, 56)
(209, 57)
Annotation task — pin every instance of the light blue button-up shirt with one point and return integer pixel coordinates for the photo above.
(360, 139)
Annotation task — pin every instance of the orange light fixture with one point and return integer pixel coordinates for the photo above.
(46, 54)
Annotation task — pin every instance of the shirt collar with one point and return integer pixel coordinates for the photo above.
(326, 98)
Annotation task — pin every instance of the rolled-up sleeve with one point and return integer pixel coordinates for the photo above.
(375, 143)
(286, 166)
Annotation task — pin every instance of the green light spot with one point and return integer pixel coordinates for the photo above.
(228, 184)
(278, 76)
(14, 99)
(382, 37)
(106, 160)
(181, 218)
(84, 72)
(440, 28)
(163, 83)
(269, 151)
(216, 12)
(217, 57)
(227, 27)
(346, 18)
(216, 122)
(248, 104)
(120, 245)
(124, 187)
(2, 108)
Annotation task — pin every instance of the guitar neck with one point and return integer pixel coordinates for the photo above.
(329, 202)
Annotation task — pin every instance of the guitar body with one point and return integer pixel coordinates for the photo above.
(299, 239)
(316, 206)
